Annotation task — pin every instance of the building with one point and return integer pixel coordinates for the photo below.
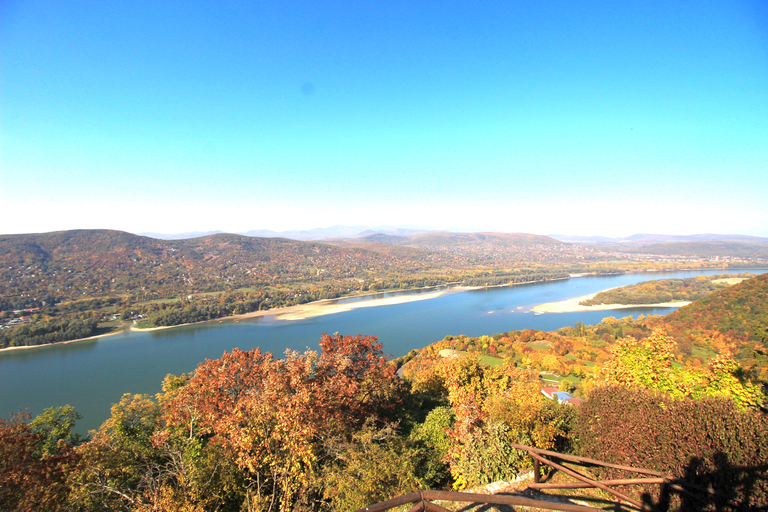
(562, 396)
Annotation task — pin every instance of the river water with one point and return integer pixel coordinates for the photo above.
(91, 375)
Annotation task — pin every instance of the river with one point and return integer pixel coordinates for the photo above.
(91, 375)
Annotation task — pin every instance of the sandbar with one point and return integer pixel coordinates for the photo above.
(304, 311)
(317, 308)
(298, 312)
(573, 306)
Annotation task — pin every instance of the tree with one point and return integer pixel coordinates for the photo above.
(120, 465)
(56, 425)
(648, 364)
(493, 407)
(27, 481)
(374, 466)
(273, 417)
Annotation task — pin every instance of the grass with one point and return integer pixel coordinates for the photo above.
(158, 301)
(703, 353)
(491, 361)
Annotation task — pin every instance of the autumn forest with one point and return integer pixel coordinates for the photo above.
(343, 427)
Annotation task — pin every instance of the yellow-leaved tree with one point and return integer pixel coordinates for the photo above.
(650, 364)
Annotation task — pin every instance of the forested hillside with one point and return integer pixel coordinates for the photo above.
(733, 319)
(75, 264)
(86, 282)
(701, 249)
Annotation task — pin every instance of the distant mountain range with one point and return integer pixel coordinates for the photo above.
(394, 235)
(441, 240)
(646, 239)
(333, 232)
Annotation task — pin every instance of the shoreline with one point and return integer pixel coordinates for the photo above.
(98, 336)
(285, 313)
(328, 307)
(573, 306)
(311, 310)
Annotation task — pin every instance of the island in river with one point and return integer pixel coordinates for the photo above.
(573, 306)
(655, 293)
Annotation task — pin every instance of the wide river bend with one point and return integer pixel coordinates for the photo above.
(91, 375)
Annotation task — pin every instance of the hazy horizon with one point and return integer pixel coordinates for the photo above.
(348, 231)
(586, 119)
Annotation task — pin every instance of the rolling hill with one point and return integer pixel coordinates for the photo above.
(70, 265)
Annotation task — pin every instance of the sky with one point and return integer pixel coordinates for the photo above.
(559, 117)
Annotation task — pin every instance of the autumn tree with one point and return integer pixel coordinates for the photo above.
(271, 416)
(119, 467)
(648, 364)
(29, 480)
(373, 466)
(493, 407)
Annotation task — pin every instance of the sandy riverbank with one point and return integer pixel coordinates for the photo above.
(298, 312)
(318, 308)
(573, 306)
(304, 311)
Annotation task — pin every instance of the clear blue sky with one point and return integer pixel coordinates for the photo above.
(600, 118)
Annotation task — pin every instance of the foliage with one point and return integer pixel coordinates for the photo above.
(55, 426)
(42, 333)
(487, 457)
(432, 438)
(708, 442)
(658, 291)
(27, 480)
(272, 416)
(648, 365)
(374, 466)
(492, 406)
(734, 319)
(119, 466)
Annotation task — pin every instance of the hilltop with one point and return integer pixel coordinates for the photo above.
(734, 319)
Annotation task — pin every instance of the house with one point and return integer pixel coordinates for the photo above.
(562, 396)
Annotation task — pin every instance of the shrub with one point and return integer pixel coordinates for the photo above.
(709, 443)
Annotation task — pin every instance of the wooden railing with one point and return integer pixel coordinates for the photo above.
(422, 500)
(653, 477)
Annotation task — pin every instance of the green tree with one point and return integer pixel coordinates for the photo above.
(56, 425)
(376, 465)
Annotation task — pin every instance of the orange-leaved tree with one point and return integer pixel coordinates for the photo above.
(271, 416)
